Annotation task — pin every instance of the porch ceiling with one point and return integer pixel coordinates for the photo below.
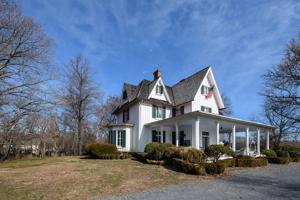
(225, 120)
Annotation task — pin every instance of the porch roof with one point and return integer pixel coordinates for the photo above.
(211, 116)
(120, 125)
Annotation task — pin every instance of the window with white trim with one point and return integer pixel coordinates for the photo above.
(205, 90)
(206, 109)
(159, 90)
(158, 112)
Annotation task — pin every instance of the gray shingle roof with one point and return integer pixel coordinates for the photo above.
(185, 90)
(182, 92)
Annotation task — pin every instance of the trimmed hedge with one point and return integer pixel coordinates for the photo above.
(247, 161)
(230, 162)
(269, 153)
(184, 166)
(191, 155)
(155, 162)
(151, 146)
(279, 160)
(214, 168)
(98, 150)
(282, 153)
(140, 156)
(156, 151)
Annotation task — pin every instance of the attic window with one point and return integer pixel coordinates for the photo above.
(159, 90)
(124, 95)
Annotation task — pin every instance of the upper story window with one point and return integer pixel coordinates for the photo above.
(124, 95)
(174, 112)
(206, 90)
(158, 112)
(182, 110)
(206, 109)
(159, 90)
(126, 115)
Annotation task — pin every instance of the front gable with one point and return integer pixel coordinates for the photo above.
(157, 90)
(208, 95)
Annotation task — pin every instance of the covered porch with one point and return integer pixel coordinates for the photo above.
(199, 129)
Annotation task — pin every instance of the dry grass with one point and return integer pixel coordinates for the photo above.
(75, 178)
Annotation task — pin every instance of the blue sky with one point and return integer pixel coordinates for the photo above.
(126, 41)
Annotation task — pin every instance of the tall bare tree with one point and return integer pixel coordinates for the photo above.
(282, 94)
(24, 53)
(80, 96)
(104, 114)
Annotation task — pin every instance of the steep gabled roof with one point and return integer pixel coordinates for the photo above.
(182, 92)
(185, 90)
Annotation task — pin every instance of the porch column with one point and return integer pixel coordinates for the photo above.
(177, 133)
(247, 140)
(161, 134)
(218, 133)
(258, 141)
(196, 132)
(233, 138)
(268, 139)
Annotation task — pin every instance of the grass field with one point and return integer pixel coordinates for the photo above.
(77, 178)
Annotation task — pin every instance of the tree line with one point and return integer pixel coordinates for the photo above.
(55, 114)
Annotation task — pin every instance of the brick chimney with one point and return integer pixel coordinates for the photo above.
(156, 74)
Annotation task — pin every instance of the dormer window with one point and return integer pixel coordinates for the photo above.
(206, 109)
(124, 95)
(159, 90)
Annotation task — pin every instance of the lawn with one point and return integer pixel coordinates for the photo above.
(77, 178)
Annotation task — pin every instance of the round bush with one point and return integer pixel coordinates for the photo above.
(99, 150)
(214, 168)
(269, 153)
(149, 147)
(279, 160)
(156, 151)
(282, 153)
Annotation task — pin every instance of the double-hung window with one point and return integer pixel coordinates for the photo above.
(158, 112)
(205, 89)
(159, 90)
(121, 138)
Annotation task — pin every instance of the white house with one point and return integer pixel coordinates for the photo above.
(188, 113)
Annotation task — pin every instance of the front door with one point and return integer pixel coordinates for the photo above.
(205, 139)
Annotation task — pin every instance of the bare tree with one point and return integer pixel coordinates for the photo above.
(104, 113)
(24, 53)
(80, 96)
(283, 81)
(282, 94)
(227, 110)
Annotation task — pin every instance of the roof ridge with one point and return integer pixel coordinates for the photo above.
(196, 73)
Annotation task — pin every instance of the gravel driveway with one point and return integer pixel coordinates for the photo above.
(272, 182)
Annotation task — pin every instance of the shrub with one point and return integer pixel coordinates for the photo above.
(214, 168)
(282, 153)
(251, 162)
(156, 151)
(230, 162)
(217, 150)
(279, 160)
(140, 156)
(98, 150)
(184, 166)
(155, 162)
(151, 146)
(269, 153)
